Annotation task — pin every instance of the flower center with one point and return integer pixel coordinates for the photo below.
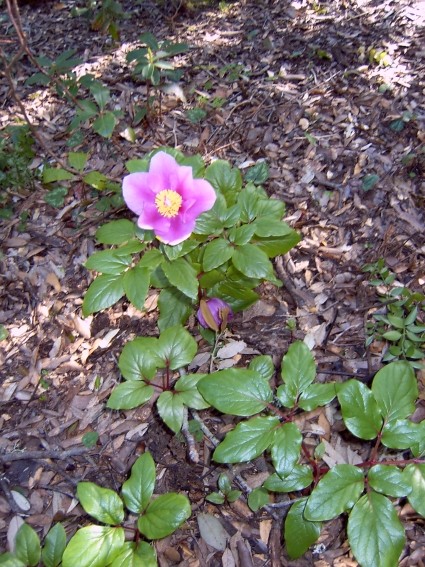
(168, 203)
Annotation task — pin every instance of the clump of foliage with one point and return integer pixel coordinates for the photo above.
(401, 320)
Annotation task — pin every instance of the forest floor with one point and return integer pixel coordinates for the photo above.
(331, 95)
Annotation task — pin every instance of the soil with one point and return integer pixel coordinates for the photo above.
(328, 94)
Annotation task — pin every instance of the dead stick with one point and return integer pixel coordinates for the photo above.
(34, 455)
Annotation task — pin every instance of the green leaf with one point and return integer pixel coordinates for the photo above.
(257, 174)
(56, 197)
(175, 348)
(299, 533)
(171, 410)
(137, 491)
(137, 165)
(225, 179)
(136, 285)
(335, 493)
(216, 253)
(258, 498)
(359, 409)
(108, 262)
(375, 533)
(52, 174)
(298, 478)
(414, 474)
(174, 308)
(78, 160)
(316, 395)
(286, 448)
(401, 434)
(224, 483)
(392, 336)
(395, 390)
(116, 232)
(98, 181)
(252, 262)
(54, 546)
(241, 235)
(151, 259)
(27, 546)
(138, 360)
(183, 276)
(298, 372)
(129, 395)
(136, 555)
(278, 246)
(180, 250)
(105, 123)
(233, 495)
(101, 94)
(266, 227)
(103, 292)
(263, 365)
(369, 181)
(236, 391)
(215, 498)
(10, 560)
(389, 480)
(164, 515)
(93, 546)
(103, 504)
(186, 389)
(247, 441)
(90, 439)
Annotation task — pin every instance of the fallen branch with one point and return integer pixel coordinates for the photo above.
(43, 454)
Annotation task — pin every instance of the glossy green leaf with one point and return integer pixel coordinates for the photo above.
(56, 197)
(108, 262)
(273, 246)
(103, 292)
(138, 489)
(101, 94)
(129, 395)
(175, 348)
(171, 410)
(225, 179)
(263, 365)
(236, 391)
(183, 276)
(240, 235)
(395, 390)
(375, 534)
(414, 474)
(215, 498)
(359, 409)
(54, 546)
(316, 395)
(298, 478)
(27, 545)
(136, 285)
(116, 232)
(299, 533)
(164, 515)
(138, 360)
(78, 160)
(151, 259)
(186, 389)
(258, 498)
(269, 227)
(174, 308)
(136, 555)
(298, 372)
(216, 253)
(401, 434)
(247, 441)
(335, 493)
(103, 504)
(258, 174)
(179, 250)
(389, 480)
(286, 448)
(252, 262)
(93, 546)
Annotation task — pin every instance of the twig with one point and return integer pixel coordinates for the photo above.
(34, 455)
(191, 445)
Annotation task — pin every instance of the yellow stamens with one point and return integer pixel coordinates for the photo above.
(168, 203)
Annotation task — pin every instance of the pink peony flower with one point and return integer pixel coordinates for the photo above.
(167, 198)
(214, 314)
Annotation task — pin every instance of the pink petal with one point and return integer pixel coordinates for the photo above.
(176, 232)
(165, 169)
(136, 190)
(150, 218)
(198, 197)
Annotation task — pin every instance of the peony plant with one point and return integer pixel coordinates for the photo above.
(198, 233)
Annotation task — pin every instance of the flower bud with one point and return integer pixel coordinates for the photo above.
(214, 313)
